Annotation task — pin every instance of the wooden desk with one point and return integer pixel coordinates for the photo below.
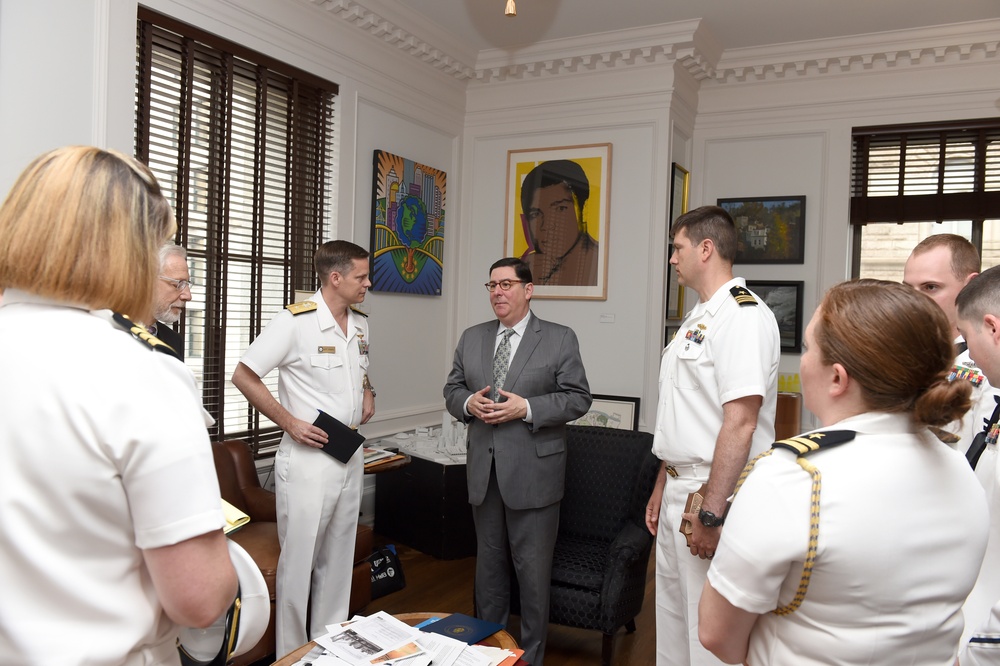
(501, 639)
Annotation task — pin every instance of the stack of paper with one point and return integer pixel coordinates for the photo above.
(382, 640)
(235, 519)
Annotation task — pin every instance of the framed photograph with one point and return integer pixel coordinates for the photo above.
(771, 229)
(407, 244)
(785, 301)
(558, 205)
(612, 411)
(680, 179)
(679, 187)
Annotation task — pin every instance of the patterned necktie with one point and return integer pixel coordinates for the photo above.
(500, 362)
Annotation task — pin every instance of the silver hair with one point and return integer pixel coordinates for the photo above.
(168, 250)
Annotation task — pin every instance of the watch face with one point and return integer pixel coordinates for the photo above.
(708, 519)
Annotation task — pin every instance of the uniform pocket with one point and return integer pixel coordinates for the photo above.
(685, 374)
(329, 373)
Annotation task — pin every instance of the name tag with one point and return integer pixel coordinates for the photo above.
(327, 350)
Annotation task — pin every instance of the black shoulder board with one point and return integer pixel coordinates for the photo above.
(805, 444)
(301, 307)
(357, 311)
(743, 296)
(142, 335)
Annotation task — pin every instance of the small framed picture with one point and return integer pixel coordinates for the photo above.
(612, 411)
(785, 301)
(770, 229)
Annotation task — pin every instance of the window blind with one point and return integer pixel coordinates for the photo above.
(928, 172)
(244, 149)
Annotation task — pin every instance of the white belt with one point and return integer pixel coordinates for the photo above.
(692, 471)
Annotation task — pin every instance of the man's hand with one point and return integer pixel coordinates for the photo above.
(367, 406)
(514, 407)
(655, 499)
(704, 540)
(306, 433)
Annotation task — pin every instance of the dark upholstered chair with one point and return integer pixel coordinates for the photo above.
(602, 549)
(240, 486)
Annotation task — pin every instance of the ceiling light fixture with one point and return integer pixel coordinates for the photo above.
(511, 10)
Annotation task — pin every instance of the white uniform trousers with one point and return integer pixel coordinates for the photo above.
(318, 500)
(680, 577)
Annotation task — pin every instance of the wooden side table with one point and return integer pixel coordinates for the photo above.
(501, 639)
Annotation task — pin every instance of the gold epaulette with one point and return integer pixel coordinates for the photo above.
(360, 312)
(301, 307)
(806, 444)
(801, 446)
(142, 335)
(743, 296)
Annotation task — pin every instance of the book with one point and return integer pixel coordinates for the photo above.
(235, 519)
(373, 455)
(342, 441)
(464, 628)
(393, 458)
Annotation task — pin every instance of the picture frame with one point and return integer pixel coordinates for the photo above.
(784, 298)
(771, 230)
(408, 225)
(680, 179)
(611, 411)
(568, 252)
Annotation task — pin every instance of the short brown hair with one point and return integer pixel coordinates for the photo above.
(896, 344)
(980, 297)
(710, 222)
(336, 255)
(85, 225)
(964, 257)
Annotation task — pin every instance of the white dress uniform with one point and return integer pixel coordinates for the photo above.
(981, 640)
(900, 542)
(966, 428)
(105, 453)
(319, 497)
(722, 352)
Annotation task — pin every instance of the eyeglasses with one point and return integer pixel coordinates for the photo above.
(503, 284)
(179, 285)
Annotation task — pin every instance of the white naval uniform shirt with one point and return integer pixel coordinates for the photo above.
(723, 351)
(983, 404)
(900, 541)
(105, 453)
(319, 366)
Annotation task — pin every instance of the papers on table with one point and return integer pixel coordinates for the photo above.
(382, 640)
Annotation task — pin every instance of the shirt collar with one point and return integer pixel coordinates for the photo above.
(518, 328)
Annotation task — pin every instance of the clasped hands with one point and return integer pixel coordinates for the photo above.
(483, 408)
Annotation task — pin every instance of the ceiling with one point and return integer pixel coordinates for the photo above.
(481, 24)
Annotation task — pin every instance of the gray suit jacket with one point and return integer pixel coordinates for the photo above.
(546, 370)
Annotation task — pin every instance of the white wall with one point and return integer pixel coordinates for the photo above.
(739, 129)
(793, 137)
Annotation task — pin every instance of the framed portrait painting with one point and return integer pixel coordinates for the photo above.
(785, 301)
(770, 229)
(557, 219)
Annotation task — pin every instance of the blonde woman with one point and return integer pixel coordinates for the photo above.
(109, 504)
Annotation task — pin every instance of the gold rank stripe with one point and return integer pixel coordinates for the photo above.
(743, 296)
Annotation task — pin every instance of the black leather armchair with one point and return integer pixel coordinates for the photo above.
(602, 549)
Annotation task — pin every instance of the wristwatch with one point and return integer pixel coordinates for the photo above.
(709, 519)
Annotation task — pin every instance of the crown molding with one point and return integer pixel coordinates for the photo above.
(686, 43)
(861, 53)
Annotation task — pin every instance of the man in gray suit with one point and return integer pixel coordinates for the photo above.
(517, 381)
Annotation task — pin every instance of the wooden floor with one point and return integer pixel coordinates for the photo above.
(446, 586)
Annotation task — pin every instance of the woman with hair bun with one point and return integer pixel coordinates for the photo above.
(856, 543)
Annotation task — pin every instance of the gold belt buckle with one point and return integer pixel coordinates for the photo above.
(671, 470)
